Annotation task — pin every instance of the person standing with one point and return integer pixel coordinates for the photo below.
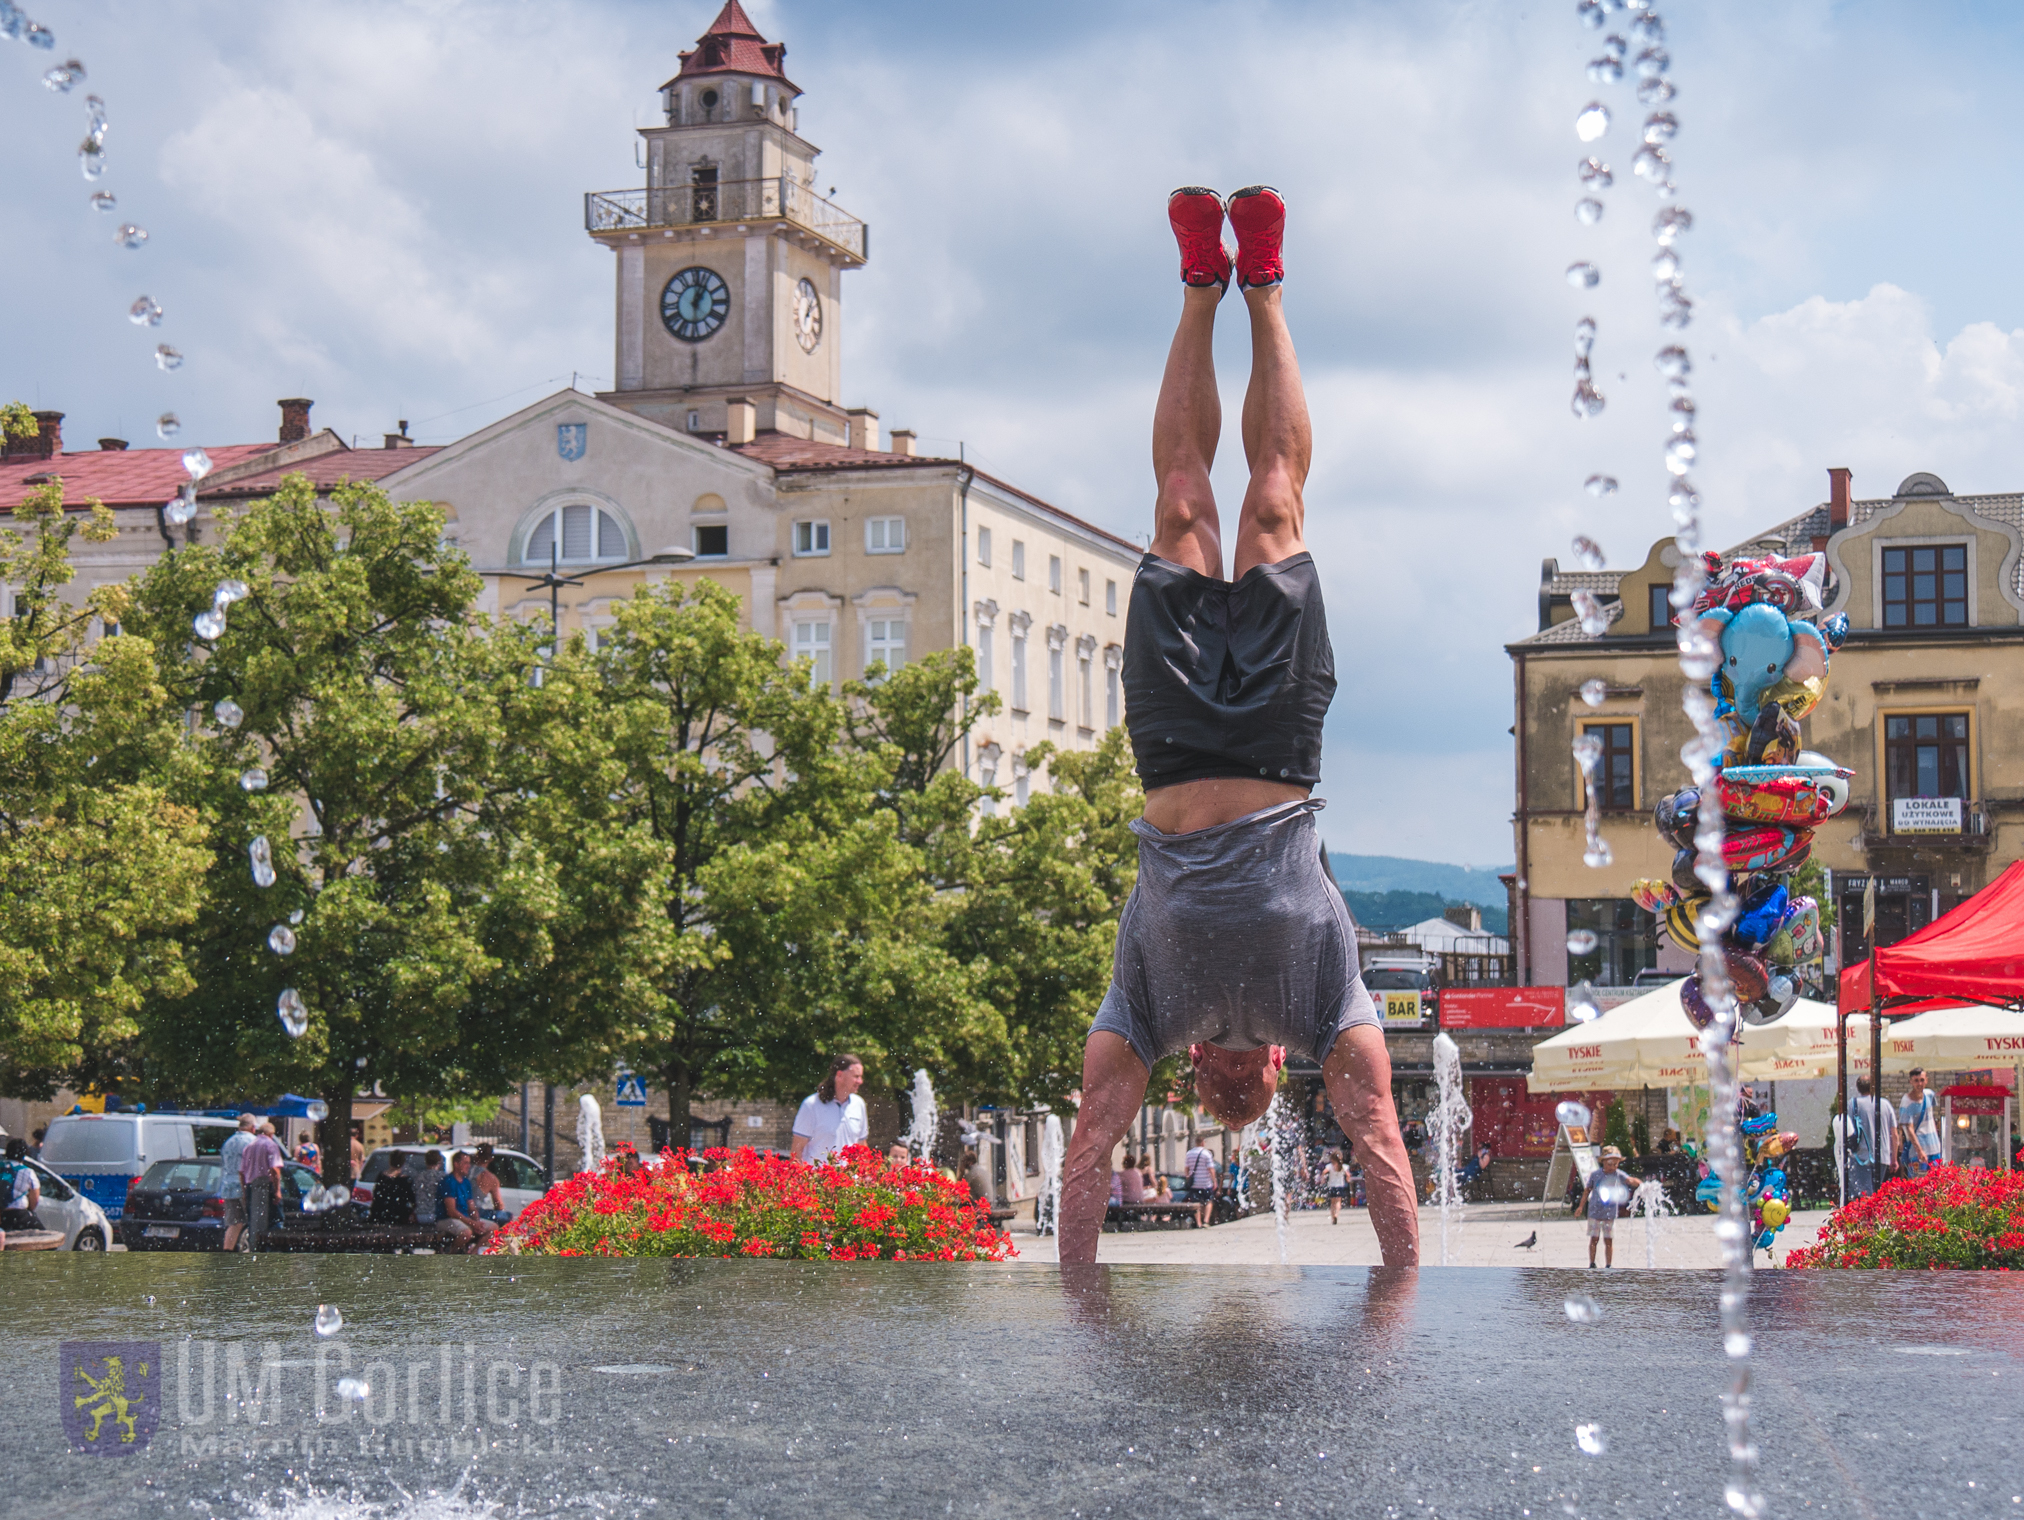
(24, 1190)
(1875, 1128)
(1608, 1188)
(232, 1191)
(35, 1144)
(1335, 1178)
(307, 1153)
(1918, 1126)
(260, 1176)
(832, 1117)
(1198, 1169)
(357, 1155)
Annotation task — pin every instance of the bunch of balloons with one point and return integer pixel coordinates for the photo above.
(1762, 616)
(1768, 1192)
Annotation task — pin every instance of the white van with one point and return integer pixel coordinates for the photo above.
(102, 1155)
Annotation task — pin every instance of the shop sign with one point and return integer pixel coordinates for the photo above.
(1401, 1008)
(1925, 815)
(1503, 1007)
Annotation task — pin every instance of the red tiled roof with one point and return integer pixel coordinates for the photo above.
(117, 477)
(785, 452)
(327, 470)
(733, 45)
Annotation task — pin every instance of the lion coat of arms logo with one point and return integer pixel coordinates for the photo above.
(571, 439)
(110, 1392)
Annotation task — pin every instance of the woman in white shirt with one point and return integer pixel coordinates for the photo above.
(1336, 1179)
(832, 1116)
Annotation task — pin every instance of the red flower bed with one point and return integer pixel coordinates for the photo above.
(1954, 1216)
(857, 1207)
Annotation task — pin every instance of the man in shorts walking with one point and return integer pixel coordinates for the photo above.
(1235, 943)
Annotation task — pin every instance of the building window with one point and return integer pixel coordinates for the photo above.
(1057, 696)
(1926, 755)
(1085, 686)
(695, 422)
(1626, 941)
(588, 534)
(1082, 587)
(987, 775)
(1110, 597)
(1019, 666)
(1926, 586)
(1616, 771)
(811, 643)
(1112, 658)
(1054, 573)
(1663, 615)
(886, 640)
(984, 547)
(713, 540)
(984, 641)
(1021, 771)
(1018, 560)
(811, 537)
(885, 535)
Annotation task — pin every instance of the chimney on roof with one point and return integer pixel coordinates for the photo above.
(903, 441)
(112, 445)
(1464, 916)
(1837, 498)
(741, 421)
(399, 440)
(295, 418)
(863, 428)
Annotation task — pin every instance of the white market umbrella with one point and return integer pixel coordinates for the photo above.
(1955, 1039)
(1649, 1042)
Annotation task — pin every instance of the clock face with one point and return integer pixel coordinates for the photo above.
(807, 316)
(695, 303)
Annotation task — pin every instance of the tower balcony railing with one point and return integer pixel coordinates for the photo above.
(733, 200)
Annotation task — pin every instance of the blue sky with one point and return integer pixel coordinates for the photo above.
(377, 204)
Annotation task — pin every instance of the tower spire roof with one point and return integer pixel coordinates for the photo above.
(733, 45)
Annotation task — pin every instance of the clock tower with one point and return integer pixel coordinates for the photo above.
(730, 265)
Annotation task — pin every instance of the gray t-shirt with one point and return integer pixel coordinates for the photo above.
(228, 1158)
(428, 1193)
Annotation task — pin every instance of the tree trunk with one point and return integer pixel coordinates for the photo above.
(676, 1075)
(333, 1138)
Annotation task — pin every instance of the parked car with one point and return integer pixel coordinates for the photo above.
(63, 1207)
(103, 1155)
(179, 1205)
(521, 1179)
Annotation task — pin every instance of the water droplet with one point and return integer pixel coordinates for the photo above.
(1607, 69)
(1683, 413)
(1588, 552)
(167, 358)
(328, 1320)
(281, 940)
(1588, 211)
(1592, 122)
(91, 164)
(1651, 163)
(1654, 61)
(262, 857)
(181, 507)
(228, 592)
(94, 115)
(338, 1196)
(353, 1389)
(104, 200)
(210, 623)
(196, 463)
(1595, 857)
(1590, 1439)
(1655, 91)
(1672, 362)
(1594, 691)
(1612, 1189)
(316, 1110)
(1584, 336)
(254, 780)
(294, 1013)
(168, 425)
(1737, 1342)
(129, 236)
(1582, 1309)
(1600, 485)
(39, 35)
(1670, 223)
(1675, 310)
(296, 918)
(229, 713)
(1613, 44)
(315, 1201)
(1587, 400)
(145, 312)
(1594, 174)
(1583, 276)
(1593, 616)
(1649, 27)
(1589, 13)
(63, 76)
(1587, 751)
(149, 1300)
(1680, 452)
(1660, 127)
(1665, 265)
(1572, 1113)
(1581, 1005)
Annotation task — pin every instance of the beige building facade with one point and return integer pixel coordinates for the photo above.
(1925, 702)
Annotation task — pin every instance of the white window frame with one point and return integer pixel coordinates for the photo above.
(822, 675)
(987, 775)
(1018, 559)
(987, 626)
(1021, 774)
(1110, 598)
(815, 532)
(984, 546)
(1113, 666)
(1085, 665)
(1057, 694)
(1054, 573)
(1082, 587)
(600, 514)
(889, 619)
(1021, 622)
(886, 529)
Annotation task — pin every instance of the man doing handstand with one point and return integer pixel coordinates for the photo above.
(1235, 943)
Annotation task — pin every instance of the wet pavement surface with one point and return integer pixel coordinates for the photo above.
(521, 1386)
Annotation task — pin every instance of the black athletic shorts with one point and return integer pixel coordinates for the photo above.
(1226, 678)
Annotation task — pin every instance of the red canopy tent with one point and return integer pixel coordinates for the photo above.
(1975, 954)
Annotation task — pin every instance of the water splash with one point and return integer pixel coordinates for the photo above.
(926, 1125)
(590, 1134)
(145, 312)
(228, 713)
(261, 854)
(1279, 1136)
(128, 236)
(1594, 692)
(1652, 1202)
(281, 940)
(1449, 1119)
(1052, 1149)
(293, 1013)
(328, 1320)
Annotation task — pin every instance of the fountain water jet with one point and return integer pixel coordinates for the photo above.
(590, 1134)
(1651, 1200)
(926, 1123)
(1450, 1118)
(1048, 1211)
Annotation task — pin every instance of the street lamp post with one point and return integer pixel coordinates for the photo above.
(555, 580)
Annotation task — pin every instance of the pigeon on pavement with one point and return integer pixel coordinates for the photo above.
(1528, 1242)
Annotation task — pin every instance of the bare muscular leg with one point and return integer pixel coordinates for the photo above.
(1187, 425)
(1113, 1087)
(1278, 441)
(1358, 1073)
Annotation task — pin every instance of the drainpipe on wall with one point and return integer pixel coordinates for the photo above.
(1522, 930)
(964, 475)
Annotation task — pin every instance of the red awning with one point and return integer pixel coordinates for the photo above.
(1975, 954)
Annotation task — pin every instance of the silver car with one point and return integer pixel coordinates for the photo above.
(63, 1207)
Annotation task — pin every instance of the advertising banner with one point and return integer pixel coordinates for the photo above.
(1401, 1008)
(1925, 815)
(1503, 1007)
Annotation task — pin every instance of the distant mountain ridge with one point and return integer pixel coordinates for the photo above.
(1392, 873)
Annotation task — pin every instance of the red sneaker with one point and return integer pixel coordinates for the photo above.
(1258, 217)
(1197, 218)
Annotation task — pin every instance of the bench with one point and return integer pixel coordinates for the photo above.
(35, 1240)
(1172, 1215)
(338, 1237)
